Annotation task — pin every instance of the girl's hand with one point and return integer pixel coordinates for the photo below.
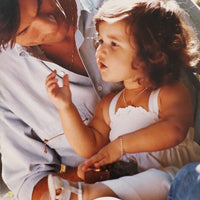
(80, 171)
(59, 96)
(108, 154)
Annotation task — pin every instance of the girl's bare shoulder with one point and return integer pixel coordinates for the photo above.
(176, 90)
(104, 105)
(175, 100)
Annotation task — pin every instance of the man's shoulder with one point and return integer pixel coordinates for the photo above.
(8, 57)
(91, 5)
(8, 52)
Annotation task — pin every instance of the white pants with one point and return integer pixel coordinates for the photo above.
(152, 184)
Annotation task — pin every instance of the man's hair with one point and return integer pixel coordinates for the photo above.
(164, 40)
(9, 22)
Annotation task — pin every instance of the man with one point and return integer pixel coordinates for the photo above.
(49, 35)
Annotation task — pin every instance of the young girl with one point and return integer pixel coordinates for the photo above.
(144, 44)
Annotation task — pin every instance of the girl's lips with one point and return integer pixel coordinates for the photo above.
(102, 66)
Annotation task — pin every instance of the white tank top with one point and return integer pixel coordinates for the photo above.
(131, 118)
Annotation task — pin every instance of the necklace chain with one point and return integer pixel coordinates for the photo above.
(73, 25)
(124, 99)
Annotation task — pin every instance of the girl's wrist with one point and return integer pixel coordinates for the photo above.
(122, 151)
(67, 106)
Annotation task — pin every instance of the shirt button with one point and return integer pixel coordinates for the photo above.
(23, 53)
(61, 73)
(99, 88)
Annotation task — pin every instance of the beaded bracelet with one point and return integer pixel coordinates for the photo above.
(121, 145)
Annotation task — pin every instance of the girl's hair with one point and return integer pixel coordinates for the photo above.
(9, 22)
(166, 42)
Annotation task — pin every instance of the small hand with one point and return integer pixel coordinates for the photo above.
(80, 171)
(59, 96)
(108, 154)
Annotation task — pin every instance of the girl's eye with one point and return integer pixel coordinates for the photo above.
(114, 44)
(100, 41)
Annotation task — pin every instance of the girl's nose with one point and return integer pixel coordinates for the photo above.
(102, 50)
(99, 54)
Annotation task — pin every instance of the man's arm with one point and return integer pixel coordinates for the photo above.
(23, 160)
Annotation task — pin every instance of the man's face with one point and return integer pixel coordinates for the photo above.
(41, 23)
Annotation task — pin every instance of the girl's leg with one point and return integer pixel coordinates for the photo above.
(152, 184)
(92, 191)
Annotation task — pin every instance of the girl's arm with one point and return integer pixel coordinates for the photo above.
(176, 116)
(85, 140)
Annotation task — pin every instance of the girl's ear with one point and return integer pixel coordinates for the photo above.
(159, 57)
(138, 64)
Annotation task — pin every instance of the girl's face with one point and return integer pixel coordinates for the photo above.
(116, 53)
(41, 23)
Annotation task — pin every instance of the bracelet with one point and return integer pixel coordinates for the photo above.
(121, 145)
